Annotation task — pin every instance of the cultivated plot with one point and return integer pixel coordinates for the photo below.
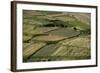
(56, 36)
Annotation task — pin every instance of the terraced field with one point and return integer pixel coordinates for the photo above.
(55, 36)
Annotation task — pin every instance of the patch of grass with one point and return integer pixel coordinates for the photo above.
(32, 48)
(46, 50)
(26, 38)
(48, 38)
(65, 32)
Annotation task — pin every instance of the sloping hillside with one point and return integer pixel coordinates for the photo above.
(51, 36)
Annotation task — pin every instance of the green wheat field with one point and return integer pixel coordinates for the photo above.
(56, 36)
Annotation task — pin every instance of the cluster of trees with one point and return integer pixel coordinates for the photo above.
(60, 23)
(54, 23)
